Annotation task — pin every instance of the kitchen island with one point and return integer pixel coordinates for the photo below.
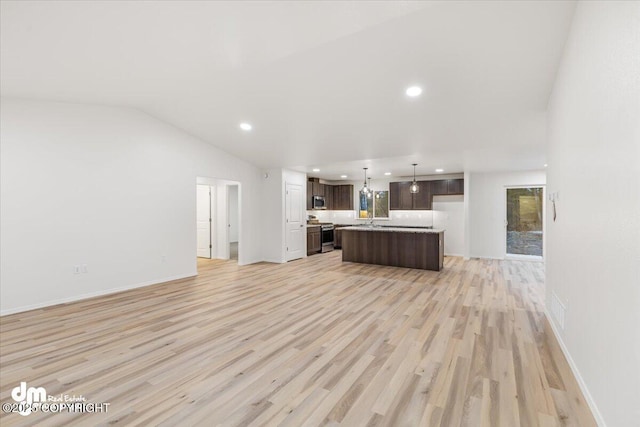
(421, 248)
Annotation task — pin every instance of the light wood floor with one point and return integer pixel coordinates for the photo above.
(310, 342)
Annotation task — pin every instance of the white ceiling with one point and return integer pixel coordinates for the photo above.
(322, 83)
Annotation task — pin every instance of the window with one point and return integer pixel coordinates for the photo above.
(524, 221)
(375, 206)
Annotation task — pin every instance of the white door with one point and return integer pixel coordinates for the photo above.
(294, 221)
(203, 220)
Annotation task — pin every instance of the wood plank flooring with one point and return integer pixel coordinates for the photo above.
(307, 343)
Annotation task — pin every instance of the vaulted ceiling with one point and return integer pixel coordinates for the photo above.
(322, 83)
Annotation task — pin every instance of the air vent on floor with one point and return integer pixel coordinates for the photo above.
(558, 310)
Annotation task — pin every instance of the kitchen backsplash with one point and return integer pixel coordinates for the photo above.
(416, 218)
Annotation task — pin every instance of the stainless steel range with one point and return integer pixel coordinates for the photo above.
(327, 237)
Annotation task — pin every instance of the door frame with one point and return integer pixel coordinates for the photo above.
(544, 224)
(220, 207)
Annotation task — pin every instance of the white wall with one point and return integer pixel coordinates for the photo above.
(448, 214)
(112, 188)
(233, 213)
(487, 209)
(593, 251)
(272, 211)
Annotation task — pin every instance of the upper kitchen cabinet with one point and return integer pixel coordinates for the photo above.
(422, 199)
(445, 187)
(400, 198)
(327, 192)
(439, 187)
(318, 189)
(342, 197)
(309, 195)
(455, 186)
(337, 197)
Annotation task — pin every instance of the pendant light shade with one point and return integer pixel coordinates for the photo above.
(370, 193)
(365, 189)
(414, 188)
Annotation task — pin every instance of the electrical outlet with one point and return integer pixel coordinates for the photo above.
(163, 259)
(76, 269)
(84, 268)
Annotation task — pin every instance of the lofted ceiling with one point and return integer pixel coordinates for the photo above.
(322, 83)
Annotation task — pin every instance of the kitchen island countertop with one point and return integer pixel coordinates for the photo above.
(394, 229)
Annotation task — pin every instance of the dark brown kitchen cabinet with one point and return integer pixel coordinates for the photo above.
(314, 239)
(400, 198)
(455, 186)
(328, 192)
(318, 189)
(439, 188)
(309, 195)
(337, 238)
(422, 199)
(342, 197)
(399, 249)
(337, 197)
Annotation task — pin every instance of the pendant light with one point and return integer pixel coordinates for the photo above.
(365, 189)
(414, 188)
(370, 193)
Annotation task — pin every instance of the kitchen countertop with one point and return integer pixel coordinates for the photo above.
(394, 229)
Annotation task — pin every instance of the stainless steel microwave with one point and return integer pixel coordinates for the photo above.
(319, 202)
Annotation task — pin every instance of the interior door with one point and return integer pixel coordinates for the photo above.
(203, 220)
(294, 222)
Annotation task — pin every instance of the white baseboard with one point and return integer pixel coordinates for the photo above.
(92, 294)
(583, 386)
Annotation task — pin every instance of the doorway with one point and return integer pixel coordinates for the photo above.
(223, 219)
(525, 222)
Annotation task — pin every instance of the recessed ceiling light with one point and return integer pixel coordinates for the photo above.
(245, 126)
(545, 165)
(439, 170)
(343, 176)
(387, 173)
(414, 91)
(316, 170)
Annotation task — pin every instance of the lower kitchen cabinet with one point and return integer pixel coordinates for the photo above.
(337, 237)
(314, 239)
(399, 249)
